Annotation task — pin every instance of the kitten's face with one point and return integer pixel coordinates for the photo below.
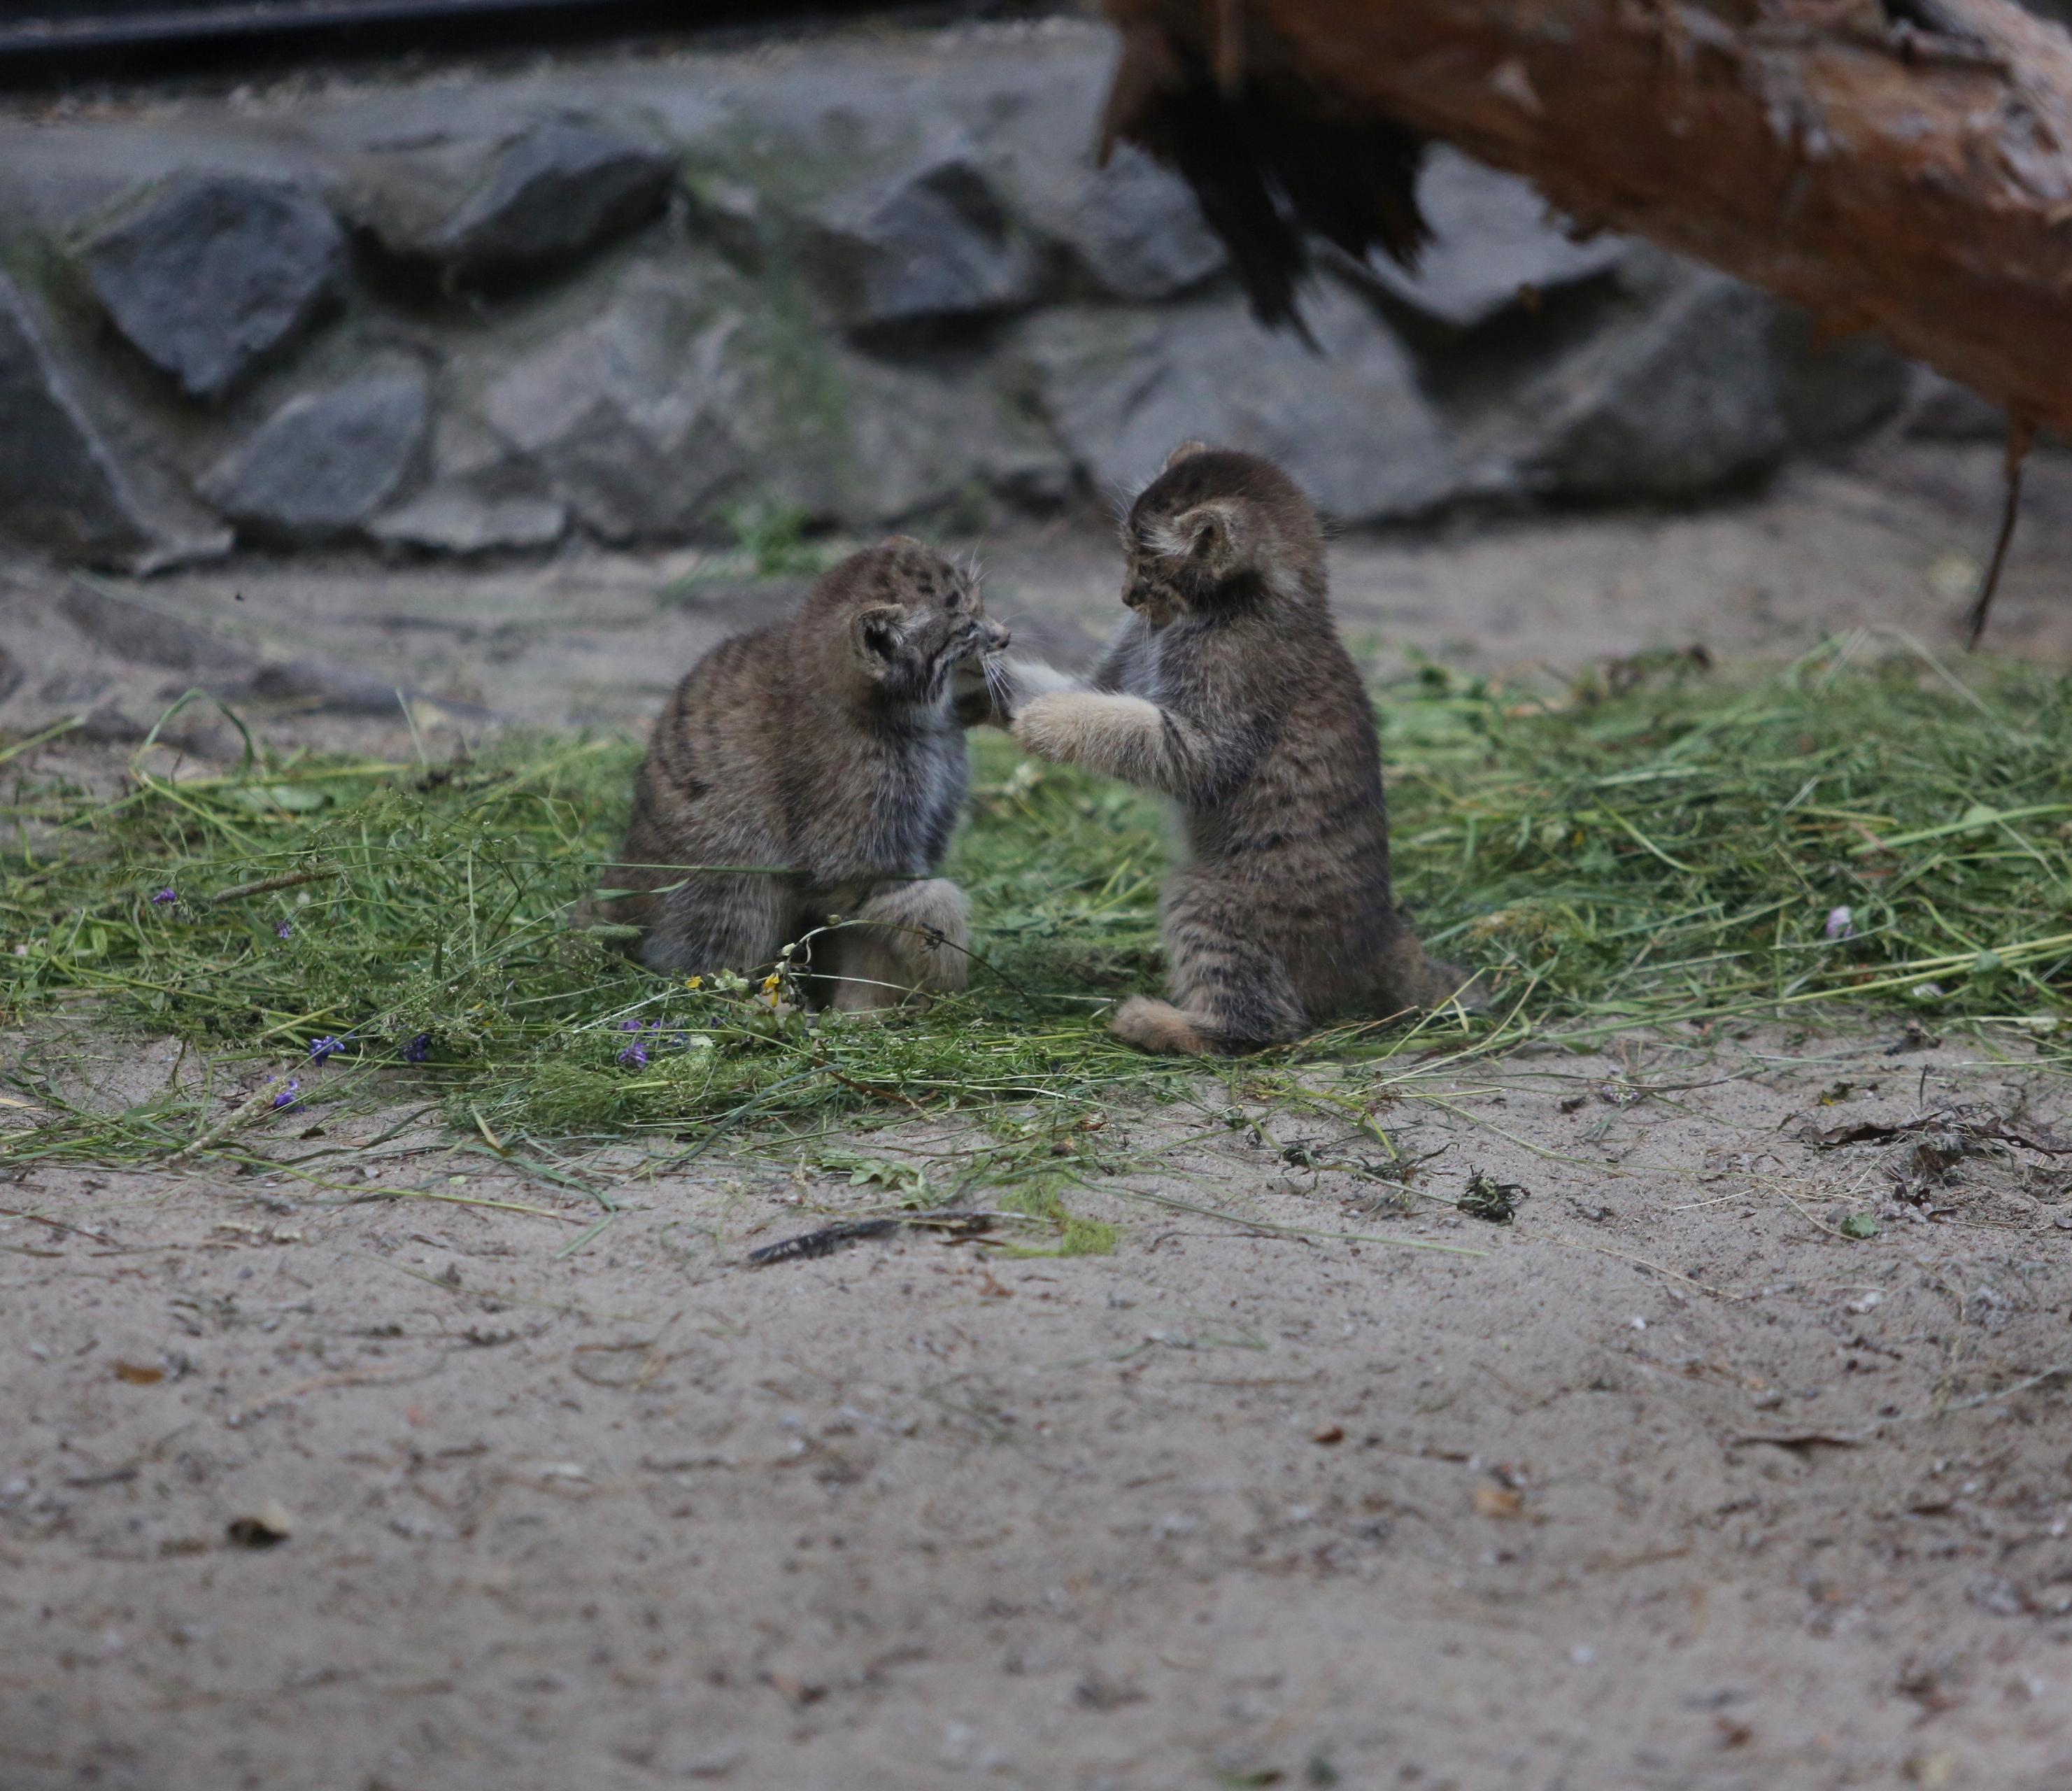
(1219, 529)
(1178, 553)
(920, 620)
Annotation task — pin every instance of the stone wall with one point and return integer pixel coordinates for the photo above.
(873, 280)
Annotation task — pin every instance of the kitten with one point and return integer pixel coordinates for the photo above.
(812, 769)
(1230, 691)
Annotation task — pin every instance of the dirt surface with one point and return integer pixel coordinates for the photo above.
(1672, 1486)
(1676, 1483)
(588, 639)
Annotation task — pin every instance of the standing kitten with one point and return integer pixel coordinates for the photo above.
(1229, 692)
(828, 747)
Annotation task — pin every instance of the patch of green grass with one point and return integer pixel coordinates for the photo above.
(1673, 850)
(1687, 848)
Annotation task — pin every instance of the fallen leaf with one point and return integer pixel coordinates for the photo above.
(794, 1692)
(1500, 1501)
(1799, 1439)
(262, 1528)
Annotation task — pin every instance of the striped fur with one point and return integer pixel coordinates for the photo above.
(827, 753)
(1229, 692)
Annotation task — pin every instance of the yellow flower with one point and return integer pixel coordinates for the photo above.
(694, 982)
(771, 983)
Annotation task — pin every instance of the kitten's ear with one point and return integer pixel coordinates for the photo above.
(1186, 450)
(876, 634)
(1212, 538)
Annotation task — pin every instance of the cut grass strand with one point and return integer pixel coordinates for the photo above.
(1847, 832)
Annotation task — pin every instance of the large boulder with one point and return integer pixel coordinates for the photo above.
(1124, 386)
(1665, 403)
(1134, 229)
(1690, 382)
(455, 520)
(1492, 242)
(322, 466)
(932, 244)
(206, 274)
(686, 396)
(625, 417)
(1832, 390)
(544, 197)
(1943, 410)
(60, 489)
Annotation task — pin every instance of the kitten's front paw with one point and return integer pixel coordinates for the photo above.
(1046, 725)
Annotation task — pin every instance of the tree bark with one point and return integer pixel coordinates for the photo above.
(1904, 166)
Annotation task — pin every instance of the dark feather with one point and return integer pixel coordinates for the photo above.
(831, 1238)
(1267, 163)
(824, 1242)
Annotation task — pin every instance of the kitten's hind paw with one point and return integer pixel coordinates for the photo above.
(1159, 1025)
(1414, 979)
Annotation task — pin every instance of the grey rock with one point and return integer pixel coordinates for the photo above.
(73, 688)
(322, 683)
(1832, 392)
(627, 418)
(206, 273)
(108, 726)
(934, 244)
(688, 395)
(325, 463)
(1943, 410)
(124, 628)
(1665, 404)
(1491, 242)
(459, 521)
(60, 489)
(1134, 228)
(730, 215)
(546, 196)
(890, 443)
(1122, 387)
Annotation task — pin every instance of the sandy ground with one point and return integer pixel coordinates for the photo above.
(1891, 542)
(1672, 1484)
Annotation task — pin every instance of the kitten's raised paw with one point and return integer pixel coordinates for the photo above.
(1159, 1025)
(1044, 724)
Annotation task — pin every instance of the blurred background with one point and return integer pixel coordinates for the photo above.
(394, 327)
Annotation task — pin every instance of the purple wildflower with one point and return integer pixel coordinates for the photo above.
(418, 1049)
(165, 898)
(284, 929)
(325, 1048)
(1841, 923)
(287, 1096)
(635, 1056)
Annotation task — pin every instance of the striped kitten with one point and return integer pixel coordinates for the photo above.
(1229, 691)
(831, 747)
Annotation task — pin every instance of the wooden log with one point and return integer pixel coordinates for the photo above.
(1902, 166)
